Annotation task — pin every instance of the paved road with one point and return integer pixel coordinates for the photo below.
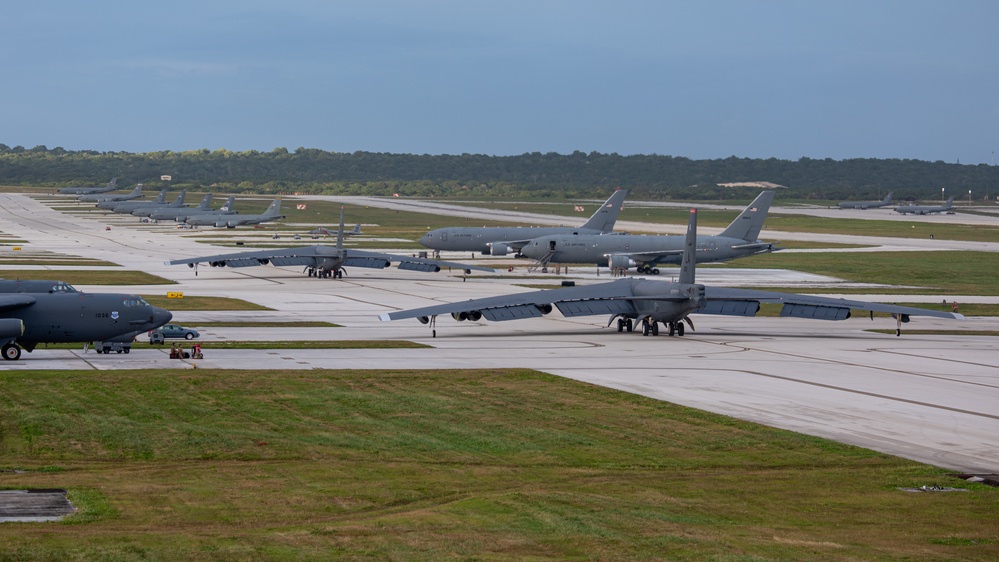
(926, 397)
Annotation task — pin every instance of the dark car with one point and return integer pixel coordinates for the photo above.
(172, 331)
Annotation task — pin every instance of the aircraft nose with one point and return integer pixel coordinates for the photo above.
(531, 250)
(424, 240)
(160, 317)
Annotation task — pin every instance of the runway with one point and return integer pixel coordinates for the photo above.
(932, 398)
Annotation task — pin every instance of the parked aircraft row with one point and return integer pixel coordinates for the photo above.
(903, 209)
(649, 303)
(34, 312)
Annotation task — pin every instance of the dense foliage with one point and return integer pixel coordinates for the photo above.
(535, 174)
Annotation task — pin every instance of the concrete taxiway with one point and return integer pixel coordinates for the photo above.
(933, 398)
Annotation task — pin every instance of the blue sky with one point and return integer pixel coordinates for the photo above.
(712, 79)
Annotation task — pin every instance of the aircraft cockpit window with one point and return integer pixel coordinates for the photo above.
(135, 301)
(63, 288)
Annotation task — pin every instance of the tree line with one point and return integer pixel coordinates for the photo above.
(536, 175)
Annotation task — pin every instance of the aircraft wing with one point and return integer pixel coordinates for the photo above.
(425, 264)
(305, 255)
(745, 302)
(14, 301)
(615, 297)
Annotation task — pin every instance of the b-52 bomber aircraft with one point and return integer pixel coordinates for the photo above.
(272, 213)
(926, 209)
(34, 312)
(651, 303)
(325, 261)
(866, 204)
(624, 251)
(111, 186)
(501, 240)
(99, 197)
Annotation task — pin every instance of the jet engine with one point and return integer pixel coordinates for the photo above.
(473, 315)
(544, 308)
(622, 262)
(218, 264)
(263, 261)
(11, 328)
(499, 248)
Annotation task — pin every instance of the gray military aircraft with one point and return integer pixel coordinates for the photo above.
(203, 209)
(146, 210)
(866, 204)
(623, 251)
(272, 213)
(34, 312)
(111, 186)
(926, 209)
(99, 197)
(501, 240)
(129, 205)
(325, 261)
(651, 302)
(333, 232)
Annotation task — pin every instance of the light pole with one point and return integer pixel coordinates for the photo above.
(969, 197)
(942, 198)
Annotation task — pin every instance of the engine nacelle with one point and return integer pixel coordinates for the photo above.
(218, 264)
(544, 308)
(622, 262)
(499, 249)
(423, 319)
(473, 315)
(263, 261)
(11, 328)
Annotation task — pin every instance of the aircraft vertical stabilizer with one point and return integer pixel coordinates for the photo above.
(606, 216)
(689, 262)
(748, 224)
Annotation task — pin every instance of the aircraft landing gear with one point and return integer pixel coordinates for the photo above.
(624, 324)
(11, 352)
(650, 326)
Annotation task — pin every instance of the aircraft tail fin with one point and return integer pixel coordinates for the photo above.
(356, 229)
(137, 190)
(339, 232)
(689, 261)
(887, 199)
(950, 202)
(229, 204)
(206, 202)
(274, 210)
(113, 182)
(605, 217)
(161, 197)
(179, 201)
(748, 224)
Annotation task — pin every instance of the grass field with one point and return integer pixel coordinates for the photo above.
(313, 465)
(89, 277)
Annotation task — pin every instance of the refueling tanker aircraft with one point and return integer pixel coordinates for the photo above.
(927, 209)
(650, 303)
(866, 204)
(644, 252)
(203, 209)
(325, 261)
(102, 197)
(34, 312)
(501, 240)
(220, 220)
(111, 186)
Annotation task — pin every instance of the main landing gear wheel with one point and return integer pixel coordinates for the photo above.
(11, 352)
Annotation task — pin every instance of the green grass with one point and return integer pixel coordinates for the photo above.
(492, 464)
(86, 277)
(943, 273)
(202, 303)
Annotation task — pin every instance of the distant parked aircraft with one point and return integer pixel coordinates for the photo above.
(501, 240)
(203, 209)
(624, 251)
(634, 301)
(100, 197)
(111, 186)
(272, 213)
(924, 209)
(325, 261)
(114, 205)
(866, 204)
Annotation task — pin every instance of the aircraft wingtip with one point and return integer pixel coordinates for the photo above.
(384, 317)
